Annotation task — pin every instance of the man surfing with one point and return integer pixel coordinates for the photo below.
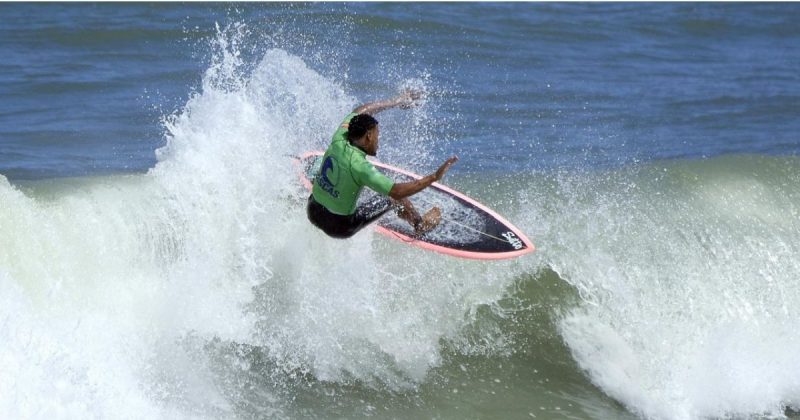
(345, 171)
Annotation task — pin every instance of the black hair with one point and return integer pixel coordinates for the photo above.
(359, 125)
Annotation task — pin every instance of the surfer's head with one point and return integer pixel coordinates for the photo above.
(363, 132)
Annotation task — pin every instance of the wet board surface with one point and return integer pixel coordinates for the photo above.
(468, 229)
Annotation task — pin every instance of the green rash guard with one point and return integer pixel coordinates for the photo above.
(344, 172)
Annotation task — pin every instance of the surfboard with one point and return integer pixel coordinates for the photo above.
(468, 228)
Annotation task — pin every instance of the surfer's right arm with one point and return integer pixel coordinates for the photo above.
(402, 190)
(407, 99)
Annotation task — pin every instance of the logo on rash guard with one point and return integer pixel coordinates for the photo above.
(328, 176)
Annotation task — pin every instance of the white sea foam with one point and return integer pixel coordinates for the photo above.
(111, 287)
(690, 292)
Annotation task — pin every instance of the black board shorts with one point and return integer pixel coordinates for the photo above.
(338, 226)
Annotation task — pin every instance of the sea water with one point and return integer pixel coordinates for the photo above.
(156, 262)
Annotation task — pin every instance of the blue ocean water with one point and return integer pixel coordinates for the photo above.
(515, 87)
(155, 262)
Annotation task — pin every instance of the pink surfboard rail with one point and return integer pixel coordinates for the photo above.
(529, 247)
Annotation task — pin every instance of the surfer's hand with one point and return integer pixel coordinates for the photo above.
(410, 98)
(443, 169)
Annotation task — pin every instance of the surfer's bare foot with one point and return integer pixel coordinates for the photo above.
(429, 221)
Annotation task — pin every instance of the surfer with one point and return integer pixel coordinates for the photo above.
(345, 171)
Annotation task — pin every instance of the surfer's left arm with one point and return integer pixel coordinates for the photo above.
(407, 99)
(401, 190)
